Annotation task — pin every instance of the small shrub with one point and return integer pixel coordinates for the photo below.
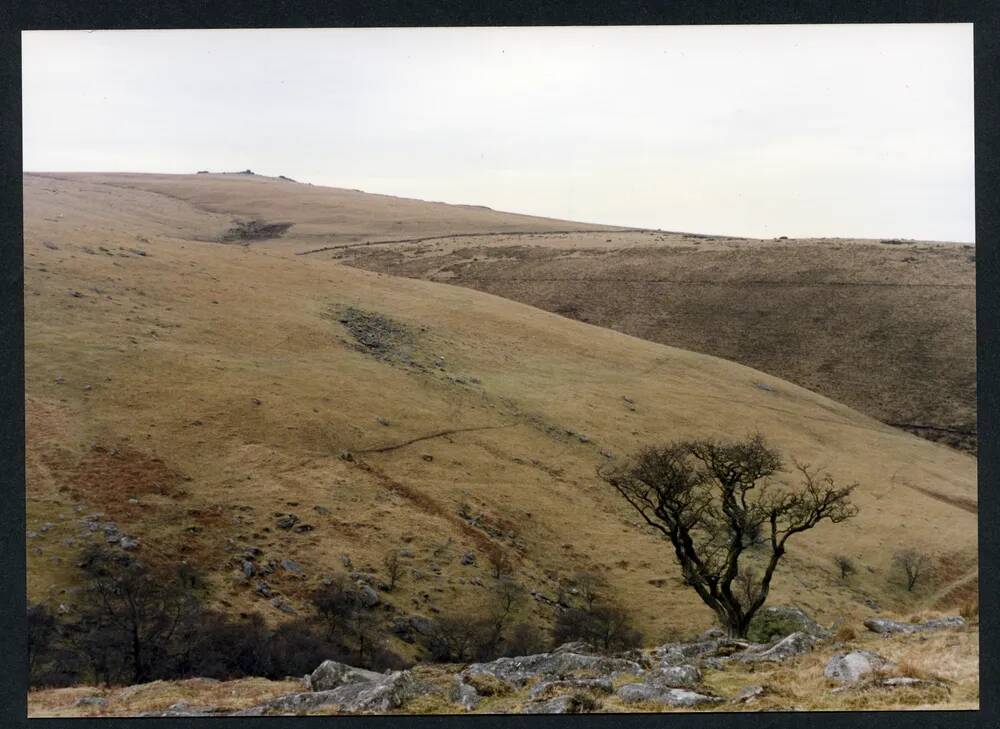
(846, 633)
(766, 626)
(970, 611)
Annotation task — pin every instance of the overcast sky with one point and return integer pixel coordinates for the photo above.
(862, 131)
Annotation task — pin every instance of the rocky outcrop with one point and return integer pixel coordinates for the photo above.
(647, 693)
(556, 665)
(388, 692)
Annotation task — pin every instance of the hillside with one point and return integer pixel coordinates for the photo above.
(887, 327)
(192, 393)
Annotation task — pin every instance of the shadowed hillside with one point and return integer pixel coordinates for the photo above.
(887, 327)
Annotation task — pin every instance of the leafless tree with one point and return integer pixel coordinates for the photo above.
(500, 564)
(913, 564)
(393, 568)
(715, 500)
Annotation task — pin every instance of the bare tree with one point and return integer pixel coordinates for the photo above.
(589, 586)
(845, 565)
(913, 564)
(135, 608)
(393, 568)
(714, 501)
(500, 564)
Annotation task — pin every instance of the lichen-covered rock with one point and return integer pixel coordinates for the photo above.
(778, 621)
(331, 674)
(685, 676)
(636, 693)
(851, 666)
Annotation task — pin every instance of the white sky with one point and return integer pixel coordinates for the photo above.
(763, 131)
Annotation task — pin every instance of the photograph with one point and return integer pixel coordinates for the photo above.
(500, 370)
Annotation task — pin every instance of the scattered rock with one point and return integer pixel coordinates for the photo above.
(748, 694)
(287, 521)
(851, 666)
(263, 589)
(427, 457)
(469, 558)
(290, 565)
(128, 543)
(283, 605)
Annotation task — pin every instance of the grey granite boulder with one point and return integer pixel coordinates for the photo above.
(331, 674)
(851, 666)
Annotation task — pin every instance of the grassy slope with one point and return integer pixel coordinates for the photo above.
(888, 329)
(178, 344)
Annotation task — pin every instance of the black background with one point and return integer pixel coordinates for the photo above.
(121, 14)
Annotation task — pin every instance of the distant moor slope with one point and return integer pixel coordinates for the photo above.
(887, 327)
(191, 394)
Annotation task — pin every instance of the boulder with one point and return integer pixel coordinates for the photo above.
(792, 645)
(851, 666)
(685, 676)
(331, 674)
(645, 693)
(464, 695)
(777, 621)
